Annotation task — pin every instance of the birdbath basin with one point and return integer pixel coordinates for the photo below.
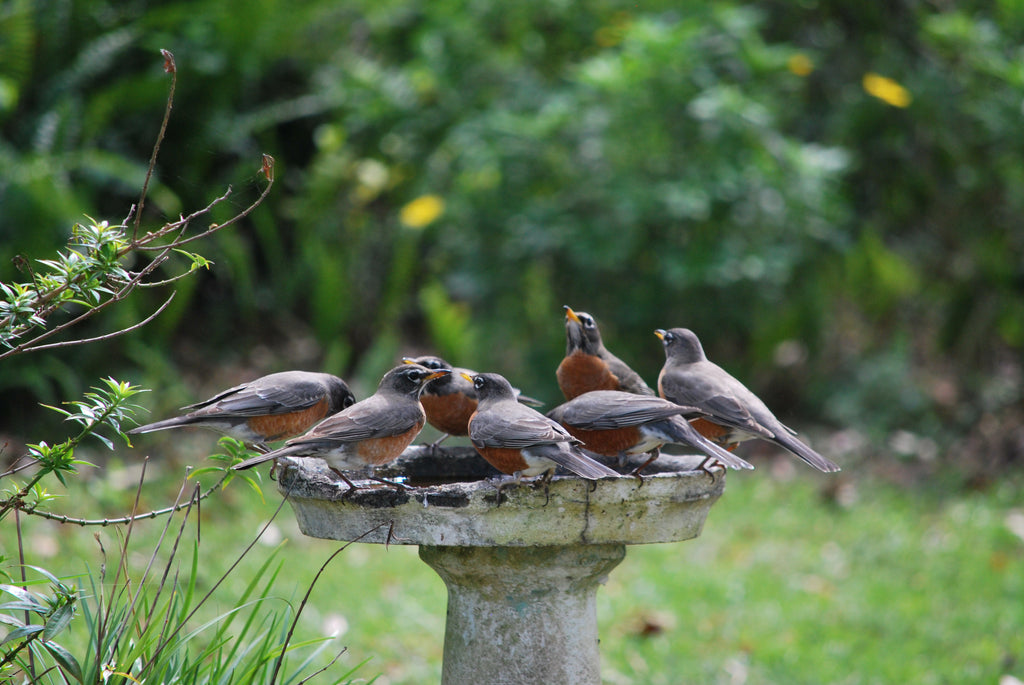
(521, 566)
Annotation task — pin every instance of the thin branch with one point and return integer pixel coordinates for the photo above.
(178, 506)
(170, 68)
(32, 461)
(309, 591)
(24, 584)
(143, 243)
(105, 336)
(321, 670)
(162, 645)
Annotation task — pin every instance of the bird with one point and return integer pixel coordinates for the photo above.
(588, 365)
(369, 433)
(267, 409)
(688, 378)
(450, 401)
(520, 441)
(615, 423)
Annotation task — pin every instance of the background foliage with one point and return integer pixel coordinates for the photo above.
(825, 191)
(851, 255)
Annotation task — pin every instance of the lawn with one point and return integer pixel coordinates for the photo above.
(788, 583)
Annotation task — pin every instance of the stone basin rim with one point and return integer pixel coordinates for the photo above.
(667, 507)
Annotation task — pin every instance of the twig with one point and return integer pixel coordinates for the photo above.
(62, 518)
(32, 461)
(105, 336)
(309, 591)
(170, 68)
(181, 624)
(24, 583)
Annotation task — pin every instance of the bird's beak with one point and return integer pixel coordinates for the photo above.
(437, 374)
(467, 377)
(660, 333)
(408, 360)
(570, 314)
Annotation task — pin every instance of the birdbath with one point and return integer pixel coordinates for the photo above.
(521, 566)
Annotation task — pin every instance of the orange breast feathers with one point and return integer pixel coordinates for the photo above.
(579, 373)
(279, 426)
(608, 443)
(377, 451)
(713, 432)
(508, 460)
(449, 413)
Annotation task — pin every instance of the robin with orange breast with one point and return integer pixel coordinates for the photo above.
(588, 365)
(370, 433)
(267, 409)
(688, 378)
(615, 423)
(520, 441)
(450, 401)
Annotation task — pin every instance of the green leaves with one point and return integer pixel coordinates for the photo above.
(54, 613)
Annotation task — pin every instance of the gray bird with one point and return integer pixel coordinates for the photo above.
(369, 433)
(588, 365)
(615, 423)
(520, 441)
(267, 409)
(688, 378)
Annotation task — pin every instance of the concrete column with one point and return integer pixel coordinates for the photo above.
(522, 615)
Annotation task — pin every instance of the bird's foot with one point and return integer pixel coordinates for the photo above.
(710, 465)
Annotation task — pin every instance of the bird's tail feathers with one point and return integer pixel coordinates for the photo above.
(686, 434)
(801, 450)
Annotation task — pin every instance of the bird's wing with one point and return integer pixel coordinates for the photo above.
(629, 379)
(515, 426)
(605, 410)
(573, 459)
(371, 418)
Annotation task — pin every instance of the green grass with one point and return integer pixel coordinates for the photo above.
(784, 585)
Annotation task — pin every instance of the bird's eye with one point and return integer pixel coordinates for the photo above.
(478, 382)
(432, 364)
(588, 322)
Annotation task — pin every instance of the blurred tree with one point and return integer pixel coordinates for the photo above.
(728, 167)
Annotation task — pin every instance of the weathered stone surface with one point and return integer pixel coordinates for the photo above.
(669, 505)
(522, 566)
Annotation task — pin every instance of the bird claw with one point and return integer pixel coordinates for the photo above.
(708, 467)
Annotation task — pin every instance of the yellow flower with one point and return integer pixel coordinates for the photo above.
(886, 90)
(800, 64)
(422, 211)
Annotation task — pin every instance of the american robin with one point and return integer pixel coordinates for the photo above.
(370, 433)
(588, 365)
(615, 423)
(267, 409)
(520, 441)
(450, 401)
(688, 378)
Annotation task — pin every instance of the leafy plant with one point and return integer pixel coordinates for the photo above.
(139, 628)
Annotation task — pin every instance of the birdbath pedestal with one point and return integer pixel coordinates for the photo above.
(522, 573)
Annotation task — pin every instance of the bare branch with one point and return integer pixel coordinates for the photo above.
(105, 336)
(143, 243)
(123, 520)
(171, 69)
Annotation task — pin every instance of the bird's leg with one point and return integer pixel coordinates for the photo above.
(708, 465)
(503, 484)
(433, 446)
(655, 453)
(546, 480)
(352, 487)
